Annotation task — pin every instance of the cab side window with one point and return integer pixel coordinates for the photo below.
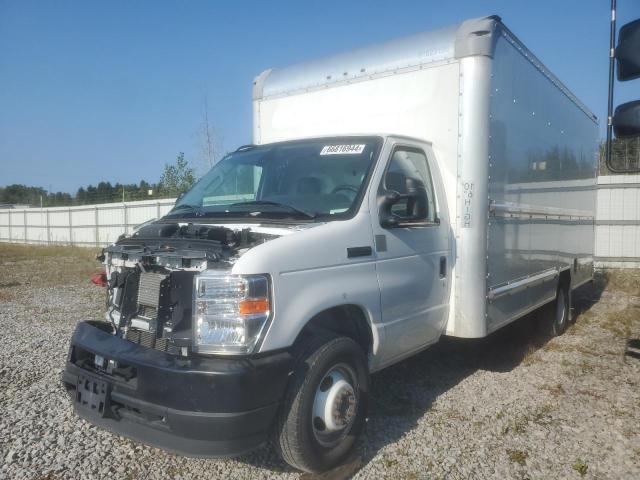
(408, 174)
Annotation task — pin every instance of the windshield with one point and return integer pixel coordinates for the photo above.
(306, 179)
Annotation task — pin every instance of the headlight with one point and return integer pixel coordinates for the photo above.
(230, 312)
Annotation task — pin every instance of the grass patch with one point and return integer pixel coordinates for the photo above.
(517, 456)
(557, 346)
(586, 367)
(17, 252)
(625, 281)
(47, 476)
(555, 390)
(389, 462)
(455, 415)
(518, 425)
(412, 476)
(530, 357)
(589, 393)
(580, 466)
(5, 296)
(44, 266)
(541, 413)
(620, 323)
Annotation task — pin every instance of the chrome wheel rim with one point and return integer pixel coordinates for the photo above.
(335, 405)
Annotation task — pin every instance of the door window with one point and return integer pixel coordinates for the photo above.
(408, 174)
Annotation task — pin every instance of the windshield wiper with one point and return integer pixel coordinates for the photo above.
(185, 206)
(275, 204)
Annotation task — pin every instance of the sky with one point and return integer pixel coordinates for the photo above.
(111, 91)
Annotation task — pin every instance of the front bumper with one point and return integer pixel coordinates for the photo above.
(196, 406)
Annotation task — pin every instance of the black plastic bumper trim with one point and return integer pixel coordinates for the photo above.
(186, 446)
(193, 406)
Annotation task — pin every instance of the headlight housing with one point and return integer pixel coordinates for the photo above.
(229, 312)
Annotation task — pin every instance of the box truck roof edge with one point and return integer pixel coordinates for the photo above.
(471, 37)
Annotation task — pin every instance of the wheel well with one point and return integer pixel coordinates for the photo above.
(347, 320)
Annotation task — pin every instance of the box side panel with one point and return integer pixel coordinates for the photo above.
(542, 185)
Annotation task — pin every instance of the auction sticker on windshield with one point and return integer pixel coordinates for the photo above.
(342, 149)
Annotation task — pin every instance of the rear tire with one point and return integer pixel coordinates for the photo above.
(324, 409)
(554, 318)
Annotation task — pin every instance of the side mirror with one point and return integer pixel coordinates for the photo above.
(385, 202)
(625, 123)
(626, 120)
(416, 198)
(628, 51)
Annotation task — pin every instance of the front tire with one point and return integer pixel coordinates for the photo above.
(324, 409)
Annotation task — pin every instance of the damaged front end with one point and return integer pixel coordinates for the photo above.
(150, 279)
(170, 297)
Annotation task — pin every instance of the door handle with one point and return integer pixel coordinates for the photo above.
(443, 267)
(359, 252)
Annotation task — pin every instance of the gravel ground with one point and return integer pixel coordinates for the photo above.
(514, 405)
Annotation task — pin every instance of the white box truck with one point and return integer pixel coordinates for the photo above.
(439, 184)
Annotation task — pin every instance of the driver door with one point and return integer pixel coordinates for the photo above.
(412, 249)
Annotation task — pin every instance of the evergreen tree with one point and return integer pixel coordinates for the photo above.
(177, 178)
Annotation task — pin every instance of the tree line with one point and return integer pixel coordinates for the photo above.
(176, 178)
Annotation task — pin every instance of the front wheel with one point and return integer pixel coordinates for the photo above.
(324, 409)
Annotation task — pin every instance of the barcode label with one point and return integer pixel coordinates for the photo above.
(342, 149)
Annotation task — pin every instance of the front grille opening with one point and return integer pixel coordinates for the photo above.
(147, 312)
(86, 360)
(150, 340)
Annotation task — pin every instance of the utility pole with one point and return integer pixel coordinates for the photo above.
(612, 66)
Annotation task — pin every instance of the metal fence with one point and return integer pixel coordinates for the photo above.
(617, 222)
(87, 225)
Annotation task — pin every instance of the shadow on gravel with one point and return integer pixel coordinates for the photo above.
(588, 295)
(403, 393)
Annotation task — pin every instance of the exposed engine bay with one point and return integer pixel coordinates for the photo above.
(150, 278)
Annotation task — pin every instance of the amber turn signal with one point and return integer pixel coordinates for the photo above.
(254, 306)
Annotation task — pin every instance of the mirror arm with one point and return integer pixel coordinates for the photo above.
(612, 58)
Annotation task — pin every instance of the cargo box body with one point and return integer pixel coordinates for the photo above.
(517, 152)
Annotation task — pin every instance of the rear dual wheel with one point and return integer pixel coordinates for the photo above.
(324, 409)
(555, 317)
